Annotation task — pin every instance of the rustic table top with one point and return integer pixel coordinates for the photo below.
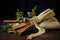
(49, 35)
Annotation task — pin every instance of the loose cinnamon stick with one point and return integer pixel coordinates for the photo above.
(11, 21)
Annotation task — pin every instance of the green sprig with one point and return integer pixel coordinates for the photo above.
(5, 27)
(33, 10)
(18, 14)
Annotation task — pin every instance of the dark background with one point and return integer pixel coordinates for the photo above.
(9, 7)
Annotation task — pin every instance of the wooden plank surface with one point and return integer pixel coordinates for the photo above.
(49, 35)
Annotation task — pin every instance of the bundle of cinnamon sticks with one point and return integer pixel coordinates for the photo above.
(17, 28)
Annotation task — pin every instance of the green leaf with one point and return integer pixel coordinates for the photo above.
(4, 28)
(18, 10)
(17, 18)
(33, 10)
(28, 13)
(10, 24)
(24, 19)
(35, 7)
(18, 14)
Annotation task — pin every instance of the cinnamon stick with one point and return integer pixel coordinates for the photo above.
(23, 29)
(27, 26)
(14, 27)
(11, 21)
(11, 31)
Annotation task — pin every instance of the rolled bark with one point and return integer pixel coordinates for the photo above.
(11, 31)
(11, 21)
(20, 31)
(26, 27)
(19, 26)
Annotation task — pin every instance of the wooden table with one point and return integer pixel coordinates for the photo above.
(49, 35)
